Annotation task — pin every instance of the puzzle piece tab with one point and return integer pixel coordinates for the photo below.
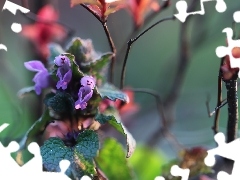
(32, 169)
(182, 7)
(5, 125)
(226, 150)
(222, 51)
(12, 7)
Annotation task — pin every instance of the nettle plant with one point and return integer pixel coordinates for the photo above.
(77, 96)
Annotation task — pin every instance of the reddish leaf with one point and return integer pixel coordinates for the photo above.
(139, 9)
(102, 8)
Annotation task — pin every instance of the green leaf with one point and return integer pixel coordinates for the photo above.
(118, 125)
(81, 166)
(24, 91)
(80, 156)
(112, 161)
(102, 119)
(55, 50)
(98, 64)
(153, 162)
(87, 144)
(36, 128)
(61, 103)
(95, 68)
(111, 92)
(75, 48)
(53, 151)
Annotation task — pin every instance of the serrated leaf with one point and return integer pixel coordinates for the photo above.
(24, 91)
(98, 64)
(87, 144)
(111, 92)
(95, 68)
(118, 125)
(80, 156)
(153, 162)
(112, 161)
(36, 128)
(61, 103)
(102, 119)
(53, 151)
(81, 166)
(75, 48)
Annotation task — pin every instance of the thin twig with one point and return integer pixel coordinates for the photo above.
(178, 81)
(164, 130)
(148, 19)
(113, 49)
(131, 41)
(110, 41)
(220, 102)
(158, 101)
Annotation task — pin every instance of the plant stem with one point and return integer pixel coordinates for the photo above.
(93, 13)
(113, 49)
(219, 100)
(131, 41)
(110, 41)
(174, 92)
(232, 99)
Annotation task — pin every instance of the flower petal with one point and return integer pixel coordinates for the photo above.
(35, 66)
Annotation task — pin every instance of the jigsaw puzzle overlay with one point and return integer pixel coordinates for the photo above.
(182, 7)
(33, 168)
(222, 51)
(16, 27)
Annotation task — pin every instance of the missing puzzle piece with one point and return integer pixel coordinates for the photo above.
(32, 169)
(223, 51)
(226, 150)
(182, 7)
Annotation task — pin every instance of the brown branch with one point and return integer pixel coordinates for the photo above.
(164, 130)
(148, 19)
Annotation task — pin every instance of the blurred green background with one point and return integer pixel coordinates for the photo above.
(152, 64)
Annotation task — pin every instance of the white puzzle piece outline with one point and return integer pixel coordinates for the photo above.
(222, 51)
(226, 150)
(12, 7)
(182, 7)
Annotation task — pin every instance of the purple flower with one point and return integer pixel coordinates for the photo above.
(85, 92)
(41, 79)
(64, 71)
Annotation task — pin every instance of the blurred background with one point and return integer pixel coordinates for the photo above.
(153, 62)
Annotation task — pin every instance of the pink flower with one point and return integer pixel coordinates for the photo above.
(43, 33)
